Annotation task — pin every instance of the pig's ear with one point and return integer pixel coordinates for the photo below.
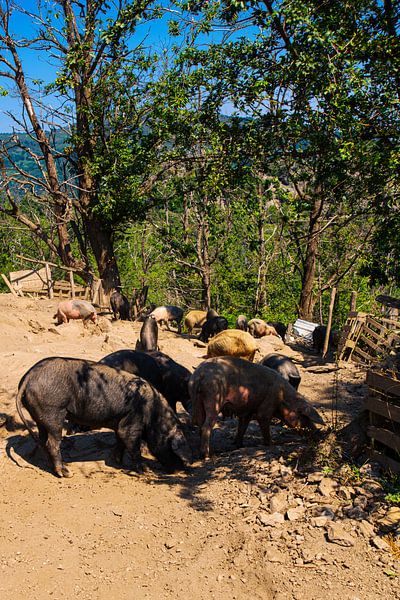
(309, 411)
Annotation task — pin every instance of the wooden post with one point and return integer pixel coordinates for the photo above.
(104, 298)
(96, 291)
(134, 308)
(353, 301)
(8, 284)
(329, 324)
(72, 283)
(49, 281)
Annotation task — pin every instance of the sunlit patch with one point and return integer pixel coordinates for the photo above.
(291, 418)
(238, 394)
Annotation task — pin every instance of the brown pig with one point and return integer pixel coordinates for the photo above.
(75, 309)
(235, 386)
(259, 328)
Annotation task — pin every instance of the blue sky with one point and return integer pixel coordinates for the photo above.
(38, 66)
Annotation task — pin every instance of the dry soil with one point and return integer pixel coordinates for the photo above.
(250, 524)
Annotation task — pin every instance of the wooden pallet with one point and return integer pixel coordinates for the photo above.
(367, 339)
(32, 282)
(62, 289)
(383, 405)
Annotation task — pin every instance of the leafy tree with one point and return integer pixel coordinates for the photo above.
(312, 79)
(100, 94)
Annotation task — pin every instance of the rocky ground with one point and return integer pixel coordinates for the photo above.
(279, 523)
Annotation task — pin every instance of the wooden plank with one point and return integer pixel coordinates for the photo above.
(364, 355)
(361, 361)
(370, 343)
(29, 279)
(96, 290)
(372, 321)
(390, 439)
(65, 285)
(383, 383)
(62, 285)
(356, 315)
(390, 335)
(353, 301)
(383, 408)
(383, 330)
(390, 464)
(391, 322)
(377, 336)
(350, 344)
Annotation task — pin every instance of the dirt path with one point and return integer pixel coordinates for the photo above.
(209, 533)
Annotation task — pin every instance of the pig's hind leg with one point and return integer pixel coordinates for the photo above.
(243, 424)
(119, 449)
(264, 420)
(130, 437)
(205, 437)
(53, 448)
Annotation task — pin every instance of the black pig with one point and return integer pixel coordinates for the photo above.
(280, 328)
(167, 376)
(212, 327)
(96, 396)
(175, 378)
(211, 314)
(285, 367)
(120, 306)
(148, 336)
(318, 337)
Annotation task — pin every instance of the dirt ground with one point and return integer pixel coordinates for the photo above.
(250, 524)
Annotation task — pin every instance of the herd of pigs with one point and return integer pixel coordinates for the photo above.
(135, 392)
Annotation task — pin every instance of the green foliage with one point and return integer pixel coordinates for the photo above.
(391, 486)
(195, 201)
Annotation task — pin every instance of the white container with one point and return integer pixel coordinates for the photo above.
(304, 328)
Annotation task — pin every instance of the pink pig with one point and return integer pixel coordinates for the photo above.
(75, 309)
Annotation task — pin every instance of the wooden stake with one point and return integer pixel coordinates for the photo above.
(72, 283)
(329, 324)
(96, 291)
(353, 301)
(8, 284)
(49, 281)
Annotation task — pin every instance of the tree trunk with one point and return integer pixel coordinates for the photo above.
(307, 296)
(204, 261)
(261, 292)
(206, 287)
(101, 243)
(202, 250)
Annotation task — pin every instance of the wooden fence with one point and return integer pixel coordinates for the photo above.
(367, 339)
(383, 405)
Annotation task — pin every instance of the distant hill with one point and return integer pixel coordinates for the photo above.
(21, 145)
(22, 155)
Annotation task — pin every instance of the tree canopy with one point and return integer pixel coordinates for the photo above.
(292, 192)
